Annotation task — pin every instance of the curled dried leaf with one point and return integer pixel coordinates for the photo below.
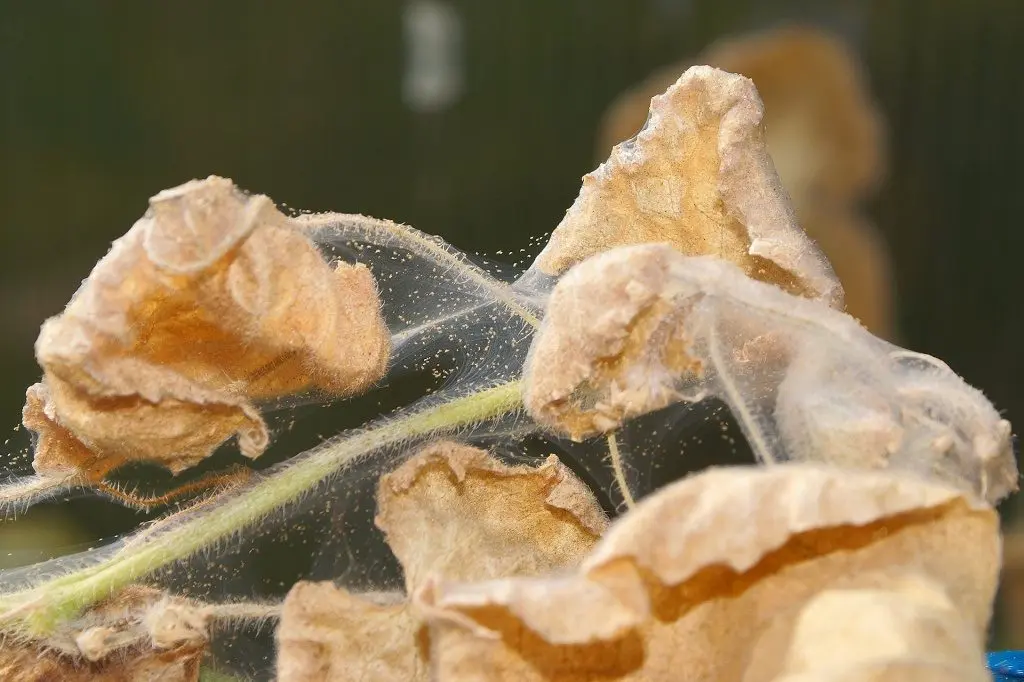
(825, 137)
(450, 512)
(824, 132)
(685, 585)
(636, 328)
(212, 300)
(613, 345)
(456, 511)
(698, 176)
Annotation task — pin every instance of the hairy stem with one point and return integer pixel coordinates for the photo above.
(620, 473)
(227, 479)
(35, 612)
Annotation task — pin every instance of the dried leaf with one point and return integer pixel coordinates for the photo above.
(825, 134)
(30, 664)
(1012, 583)
(456, 511)
(825, 137)
(327, 633)
(212, 300)
(636, 328)
(685, 585)
(139, 635)
(613, 345)
(451, 512)
(699, 177)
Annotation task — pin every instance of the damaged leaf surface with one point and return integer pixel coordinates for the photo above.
(452, 512)
(212, 300)
(698, 176)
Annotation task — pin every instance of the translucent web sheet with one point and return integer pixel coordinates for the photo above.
(457, 332)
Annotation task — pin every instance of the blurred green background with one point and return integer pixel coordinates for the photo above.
(330, 105)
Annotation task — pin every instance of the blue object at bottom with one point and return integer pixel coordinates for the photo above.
(1006, 666)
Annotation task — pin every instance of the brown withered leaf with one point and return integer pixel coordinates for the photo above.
(212, 300)
(699, 177)
(456, 511)
(30, 664)
(825, 137)
(450, 512)
(1012, 594)
(685, 586)
(139, 635)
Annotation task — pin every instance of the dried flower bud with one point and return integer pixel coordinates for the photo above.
(213, 299)
(452, 512)
(636, 328)
(686, 585)
(699, 177)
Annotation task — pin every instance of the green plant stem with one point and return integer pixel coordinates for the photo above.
(37, 611)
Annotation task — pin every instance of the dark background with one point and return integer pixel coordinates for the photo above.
(103, 104)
